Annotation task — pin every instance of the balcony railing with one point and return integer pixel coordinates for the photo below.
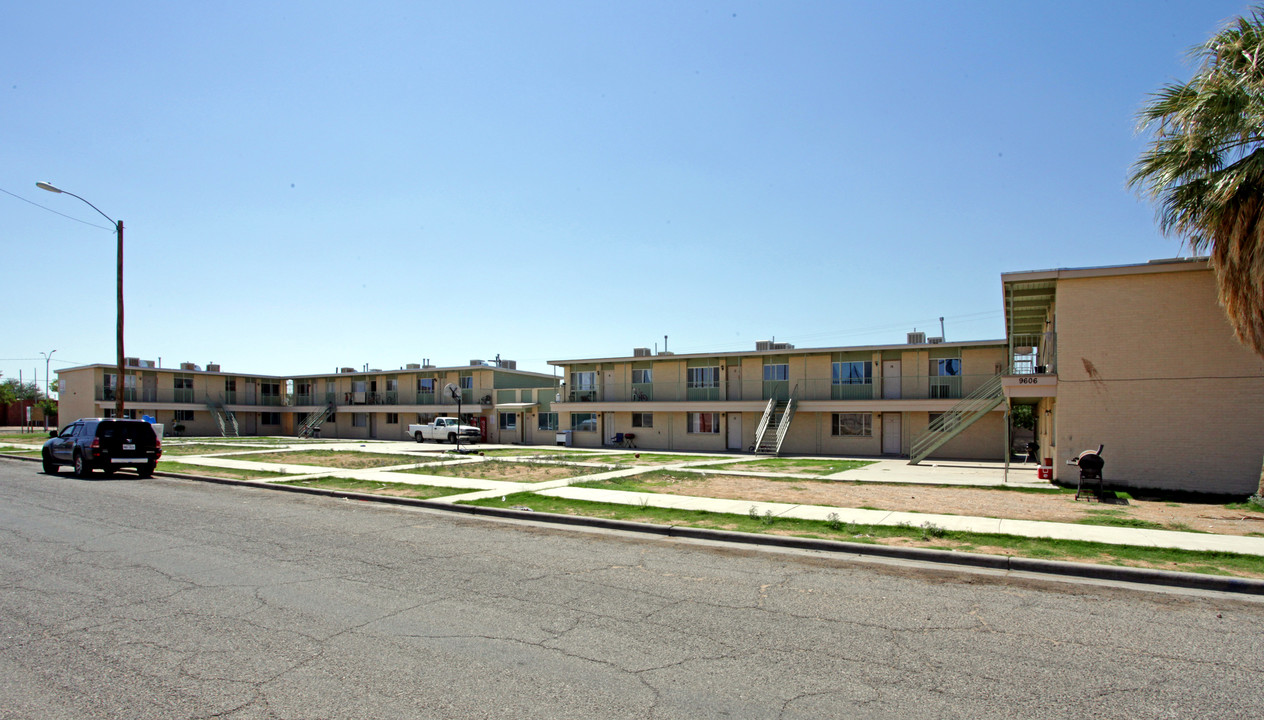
(469, 397)
(910, 387)
(1034, 354)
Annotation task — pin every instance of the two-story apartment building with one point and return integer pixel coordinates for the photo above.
(1141, 360)
(350, 403)
(869, 400)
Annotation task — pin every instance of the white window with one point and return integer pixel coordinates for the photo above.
(392, 418)
(508, 421)
(183, 416)
(270, 418)
(702, 377)
(853, 373)
(467, 382)
(852, 425)
(707, 423)
(548, 421)
(584, 422)
(643, 420)
(584, 380)
(776, 371)
(425, 386)
(642, 376)
(359, 419)
(947, 367)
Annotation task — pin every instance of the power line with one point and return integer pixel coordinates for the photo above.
(32, 202)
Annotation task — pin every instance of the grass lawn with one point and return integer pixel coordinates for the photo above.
(237, 473)
(506, 470)
(927, 536)
(40, 436)
(645, 459)
(538, 453)
(198, 449)
(19, 451)
(341, 459)
(408, 490)
(812, 466)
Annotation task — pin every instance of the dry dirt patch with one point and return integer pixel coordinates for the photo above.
(1049, 507)
(508, 471)
(344, 460)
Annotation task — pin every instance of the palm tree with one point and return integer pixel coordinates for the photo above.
(1205, 168)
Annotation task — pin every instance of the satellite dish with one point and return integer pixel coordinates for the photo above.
(452, 391)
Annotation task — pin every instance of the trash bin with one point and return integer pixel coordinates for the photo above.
(564, 437)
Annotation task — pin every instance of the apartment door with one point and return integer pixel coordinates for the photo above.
(609, 392)
(373, 425)
(891, 379)
(607, 427)
(735, 430)
(149, 387)
(735, 386)
(891, 444)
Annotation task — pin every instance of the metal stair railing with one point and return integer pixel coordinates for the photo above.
(783, 425)
(315, 420)
(763, 422)
(956, 419)
(224, 418)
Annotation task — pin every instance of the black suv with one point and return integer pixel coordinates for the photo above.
(103, 443)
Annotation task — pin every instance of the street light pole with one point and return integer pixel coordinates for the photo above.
(48, 356)
(118, 226)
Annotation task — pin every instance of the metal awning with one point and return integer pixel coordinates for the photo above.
(516, 406)
(1027, 305)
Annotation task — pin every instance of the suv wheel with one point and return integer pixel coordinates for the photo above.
(82, 468)
(50, 467)
(146, 470)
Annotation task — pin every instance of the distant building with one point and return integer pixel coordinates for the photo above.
(372, 404)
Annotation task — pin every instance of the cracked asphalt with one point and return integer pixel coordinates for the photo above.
(169, 599)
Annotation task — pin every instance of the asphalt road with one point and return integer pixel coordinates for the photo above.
(172, 599)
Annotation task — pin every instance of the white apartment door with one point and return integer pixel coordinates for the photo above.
(609, 392)
(607, 427)
(891, 444)
(735, 430)
(735, 387)
(891, 379)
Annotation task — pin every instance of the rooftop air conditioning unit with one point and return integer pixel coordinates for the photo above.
(763, 345)
(212, 367)
(934, 340)
(346, 370)
(476, 362)
(189, 366)
(509, 364)
(413, 366)
(917, 338)
(147, 363)
(132, 362)
(427, 366)
(782, 346)
(640, 352)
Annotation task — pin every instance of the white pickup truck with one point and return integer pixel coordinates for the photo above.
(444, 428)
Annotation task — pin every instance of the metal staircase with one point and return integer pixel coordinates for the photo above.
(311, 426)
(775, 423)
(949, 424)
(224, 418)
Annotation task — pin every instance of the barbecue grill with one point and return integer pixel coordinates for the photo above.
(1091, 464)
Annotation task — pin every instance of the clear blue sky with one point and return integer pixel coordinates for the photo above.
(307, 185)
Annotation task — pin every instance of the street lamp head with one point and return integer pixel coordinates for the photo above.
(47, 186)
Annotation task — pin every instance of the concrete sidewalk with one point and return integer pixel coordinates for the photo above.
(966, 474)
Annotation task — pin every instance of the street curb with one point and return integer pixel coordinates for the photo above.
(1195, 581)
(1246, 586)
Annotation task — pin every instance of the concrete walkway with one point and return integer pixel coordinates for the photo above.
(971, 474)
